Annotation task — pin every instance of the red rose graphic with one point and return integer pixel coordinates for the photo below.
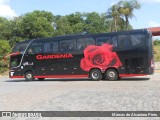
(99, 57)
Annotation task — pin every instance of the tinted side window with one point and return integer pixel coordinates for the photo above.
(82, 43)
(103, 40)
(137, 39)
(114, 41)
(35, 48)
(123, 41)
(50, 47)
(68, 45)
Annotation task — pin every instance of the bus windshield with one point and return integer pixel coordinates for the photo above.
(15, 59)
(20, 47)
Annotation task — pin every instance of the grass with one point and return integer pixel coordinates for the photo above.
(5, 73)
(157, 53)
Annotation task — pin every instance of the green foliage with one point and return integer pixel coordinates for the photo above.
(5, 29)
(4, 50)
(121, 12)
(4, 47)
(79, 22)
(126, 9)
(17, 28)
(15, 40)
(157, 53)
(97, 23)
(63, 26)
(156, 42)
(37, 25)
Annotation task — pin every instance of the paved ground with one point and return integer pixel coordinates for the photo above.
(129, 94)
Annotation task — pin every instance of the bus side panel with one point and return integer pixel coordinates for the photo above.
(47, 66)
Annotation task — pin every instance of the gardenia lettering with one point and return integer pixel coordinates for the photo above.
(54, 56)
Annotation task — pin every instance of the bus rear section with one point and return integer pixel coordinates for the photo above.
(137, 54)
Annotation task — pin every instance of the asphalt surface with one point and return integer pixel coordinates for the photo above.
(127, 94)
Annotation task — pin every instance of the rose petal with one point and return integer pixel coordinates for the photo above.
(108, 47)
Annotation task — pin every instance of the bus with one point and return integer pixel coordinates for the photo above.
(96, 56)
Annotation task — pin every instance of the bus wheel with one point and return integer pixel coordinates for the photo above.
(41, 79)
(112, 74)
(95, 74)
(29, 76)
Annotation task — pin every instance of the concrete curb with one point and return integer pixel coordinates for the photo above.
(157, 71)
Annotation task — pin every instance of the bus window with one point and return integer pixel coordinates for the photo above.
(68, 45)
(82, 43)
(50, 47)
(103, 40)
(114, 41)
(35, 48)
(123, 41)
(137, 39)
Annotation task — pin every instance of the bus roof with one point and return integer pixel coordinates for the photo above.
(96, 34)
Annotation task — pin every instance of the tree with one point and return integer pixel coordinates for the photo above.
(17, 28)
(97, 23)
(156, 42)
(114, 14)
(120, 14)
(45, 14)
(75, 18)
(37, 25)
(6, 32)
(15, 40)
(4, 49)
(63, 26)
(79, 22)
(76, 22)
(126, 9)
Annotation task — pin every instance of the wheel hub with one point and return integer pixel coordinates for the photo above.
(95, 75)
(29, 76)
(112, 74)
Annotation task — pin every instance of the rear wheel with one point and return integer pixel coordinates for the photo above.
(41, 79)
(95, 74)
(112, 74)
(29, 76)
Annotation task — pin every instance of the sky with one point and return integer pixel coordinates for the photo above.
(147, 16)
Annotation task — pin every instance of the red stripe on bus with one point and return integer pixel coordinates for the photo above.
(17, 77)
(131, 75)
(54, 76)
(76, 76)
(61, 76)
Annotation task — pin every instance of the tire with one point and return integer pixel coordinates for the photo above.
(112, 74)
(41, 79)
(29, 76)
(95, 74)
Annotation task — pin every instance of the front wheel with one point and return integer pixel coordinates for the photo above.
(95, 74)
(29, 76)
(112, 74)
